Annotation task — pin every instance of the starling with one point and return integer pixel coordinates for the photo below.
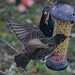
(47, 29)
(35, 49)
(38, 50)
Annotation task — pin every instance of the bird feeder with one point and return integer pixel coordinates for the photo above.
(63, 15)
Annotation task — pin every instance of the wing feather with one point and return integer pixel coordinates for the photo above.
(23, 31)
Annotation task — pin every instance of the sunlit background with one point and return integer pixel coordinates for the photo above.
(28, 11)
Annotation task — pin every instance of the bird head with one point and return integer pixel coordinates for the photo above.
(46, 11)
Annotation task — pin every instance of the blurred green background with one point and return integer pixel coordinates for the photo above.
(31, 15)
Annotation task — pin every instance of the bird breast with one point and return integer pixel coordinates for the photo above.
(33, 44)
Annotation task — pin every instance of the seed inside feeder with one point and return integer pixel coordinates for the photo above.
(58, 57)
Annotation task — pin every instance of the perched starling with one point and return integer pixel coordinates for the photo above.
(35, 49)
(47, 29)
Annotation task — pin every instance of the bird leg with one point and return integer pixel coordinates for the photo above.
(34, 63)
(33, 70)
(22, 51)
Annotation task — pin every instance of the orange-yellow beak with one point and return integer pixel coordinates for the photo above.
(45, 13)
(46, 17)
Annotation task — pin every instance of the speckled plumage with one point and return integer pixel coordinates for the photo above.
(30, 36)
(39, 51)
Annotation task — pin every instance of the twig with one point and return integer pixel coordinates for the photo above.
(53, 6)
(9, 45)
(29, 71)
(2, 73)
(51, 10)
(24, 70)
(48, 1)
(17, 52)
(2, 27)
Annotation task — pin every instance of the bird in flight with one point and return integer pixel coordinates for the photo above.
(30, 36)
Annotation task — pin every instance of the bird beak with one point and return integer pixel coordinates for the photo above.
(46, 18)
(45, 13)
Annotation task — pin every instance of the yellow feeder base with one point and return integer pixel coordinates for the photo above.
(57, 60)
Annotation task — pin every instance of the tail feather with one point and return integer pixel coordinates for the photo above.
(22, 60)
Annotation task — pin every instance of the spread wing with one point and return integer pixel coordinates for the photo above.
(23, 31)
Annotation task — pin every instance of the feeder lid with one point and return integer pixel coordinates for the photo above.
(63, 12)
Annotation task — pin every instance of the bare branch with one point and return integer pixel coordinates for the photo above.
(9, 45)
(28, 72)
(2, 73)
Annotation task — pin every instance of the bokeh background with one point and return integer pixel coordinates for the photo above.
(28, 11)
